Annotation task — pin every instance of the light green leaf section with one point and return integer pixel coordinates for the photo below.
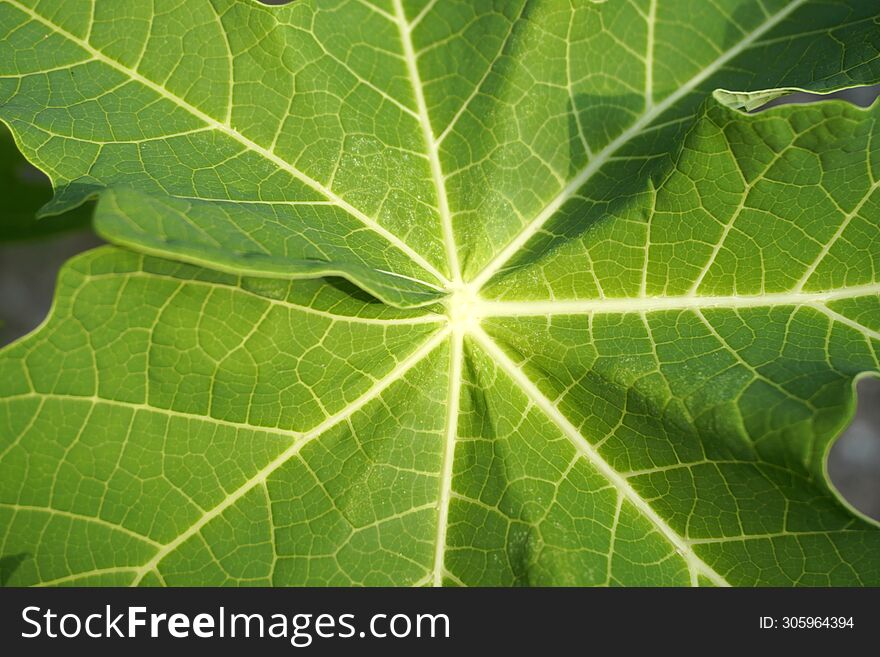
(655, 306)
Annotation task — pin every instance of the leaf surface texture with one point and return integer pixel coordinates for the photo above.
(444, 292)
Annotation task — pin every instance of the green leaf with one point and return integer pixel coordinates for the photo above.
(24, 190)
(613, 323)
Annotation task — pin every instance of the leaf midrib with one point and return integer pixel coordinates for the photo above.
(622, 305)
(431, 144)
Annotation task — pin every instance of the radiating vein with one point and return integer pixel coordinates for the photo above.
(831, 242)
(430, 142)
(651, 20)
(659, 304)
(843, 319)
(453, 408)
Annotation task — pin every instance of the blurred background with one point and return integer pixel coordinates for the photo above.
(29, 266)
